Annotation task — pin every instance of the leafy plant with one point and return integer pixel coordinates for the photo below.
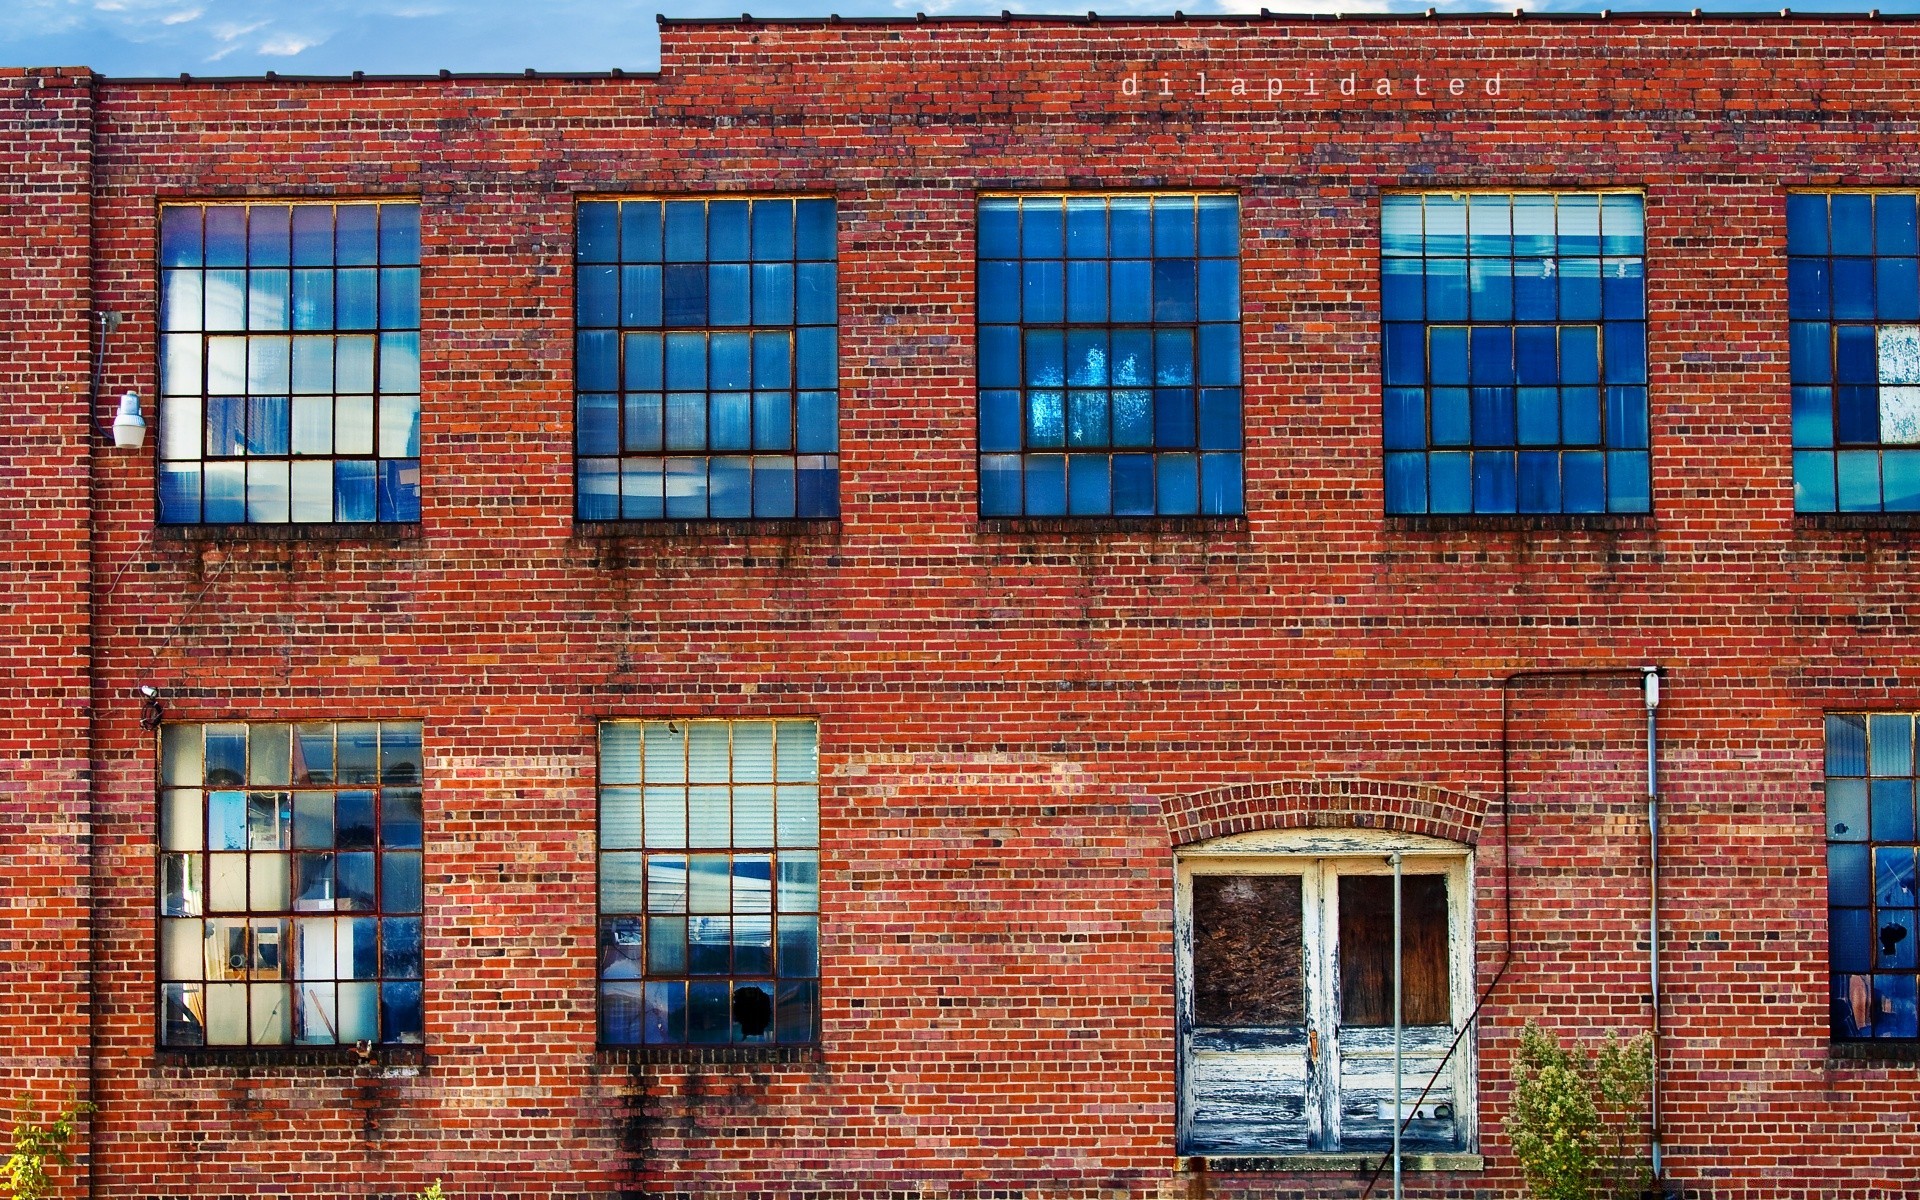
(1578, 1115)
(432, 1192)
(36, 1146)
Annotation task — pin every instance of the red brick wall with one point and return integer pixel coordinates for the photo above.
(46, 149)
(1018, 721)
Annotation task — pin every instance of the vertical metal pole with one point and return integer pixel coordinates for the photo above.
(1399, 1117)
(1650, 683)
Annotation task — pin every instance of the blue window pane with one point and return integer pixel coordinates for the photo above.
(999, 291)
(1452, 416)
(598, 302)
(226, 425)
(686, 421)
(1133, 417)
(1173, 418)
(1536, 290)
(1624, 289)
(772, 360)
(1219, 355)
(814, 229)
(1579, 289)
(729, 362)
(999, 356)
(686, 231)
(1852, 223)
(819, 422)
(1086, 357)
(999, 235)
(1406, 355)
(1404, 420)
(1000, 485)
(180, 236)
(1131, 294)
(1043, 229)
(1627, 418)
(686, 488)
(1086, 227)
(267, 426)
(1539, 482)
(1450, 482)
(1853, 289)
(1406, 483)
(730, 421)
(1132, 357)
(1537, 415)
(1535, 355)
(1174, 296)
(1859, 480)
(1893, 224)
(817, 486)
(1850, 938)
(1897, 285)
(1087, 419)
(1494, 488)
(773, 487)
(1856, 415)
(1583, 481)
(1047, 419)
(684, 295)
(1622, 225)
(1900, 480)
(815, 300)
(1000, 420)
(1579, 354)
(1849, 875)
(1220, 419)
(1178, 486)
(1896, 945)
(1447, 354)
(1403, 284)
(1492, 355)
(1089, 486)
(1220, 485)
(1447, 289)
(1490, 225)
(640, 295)
(597, 425)
(356, 299)
(226, 236)
(400, 1019)
(640, 236)
(400, 489)
(686, 361)
(728, 289)
(1893, 822)
(816, 357)
(1219, 289)
(180, 492)
(313, 300)
(1132, 484)
(1813, 485)
(727, 231)
(1579, 225)
(1172, 357)
(1626, 352)
(1812, 417)
(1493, 417)
(773, 294)
(1629, 486)
(645, 422)
(1219, 226)
(1446, 225)
(354, 490)
(1806, 223)
(313, 235)
(1129, 227)
(1490, 284)
(1856, 359)
(1173, 227)
(599, 233)
(1046, 358)
(1046, 480)
(1043, 292)
(1807, 289)
(729, 484)
(1086, 291)
(1811, 351)
(772, 421)
(1400, 226)
(646, 357)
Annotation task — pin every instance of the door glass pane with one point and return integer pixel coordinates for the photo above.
(1366, 950)
(1247, 951)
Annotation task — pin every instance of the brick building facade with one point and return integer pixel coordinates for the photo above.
(1040, 734)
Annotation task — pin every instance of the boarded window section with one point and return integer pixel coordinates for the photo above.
(1247, 951)
(1515, 353)
(290, 884)
(289, 363)
(1873, 934)
(1109, 356)
(706, 363)
(1366, 950)
(1853, 300)
(709, 882)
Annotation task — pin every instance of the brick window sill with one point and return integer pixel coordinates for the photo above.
(1097, 527)
(797, 529)
(1345, 1162)
(1857, 520)
(705, 1055)
(1848, 1055)
(371, 533)
(1435, 523)
(406, 1059)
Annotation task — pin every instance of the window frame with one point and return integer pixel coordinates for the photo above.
(1397, 459)
(1203, 456)
(822, 464)
(395, 480)
(1873, 969)
(1321, 857)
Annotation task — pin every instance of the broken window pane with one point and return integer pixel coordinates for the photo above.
(1247, 951)
(1366, 950)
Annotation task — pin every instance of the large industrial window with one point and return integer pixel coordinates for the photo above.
(709, 882)
(1853, 300)
(1109, 355)
(290, 884)
(1285, 986)
(1516, 353)
(289, 363)
(706, 364)
(1874, 944)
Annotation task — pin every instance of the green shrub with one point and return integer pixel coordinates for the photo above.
(36, 1147)
(1577, 1117)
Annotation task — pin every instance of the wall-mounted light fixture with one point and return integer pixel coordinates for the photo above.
(129, 428)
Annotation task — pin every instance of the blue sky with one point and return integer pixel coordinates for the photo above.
(335, 37)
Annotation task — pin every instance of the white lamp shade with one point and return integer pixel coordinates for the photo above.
(129, 428)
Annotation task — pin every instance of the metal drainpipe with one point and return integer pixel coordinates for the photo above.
(1399, 1102)
(1650, 684)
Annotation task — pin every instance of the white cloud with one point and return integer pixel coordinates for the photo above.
(282, 45)
(182, 17)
